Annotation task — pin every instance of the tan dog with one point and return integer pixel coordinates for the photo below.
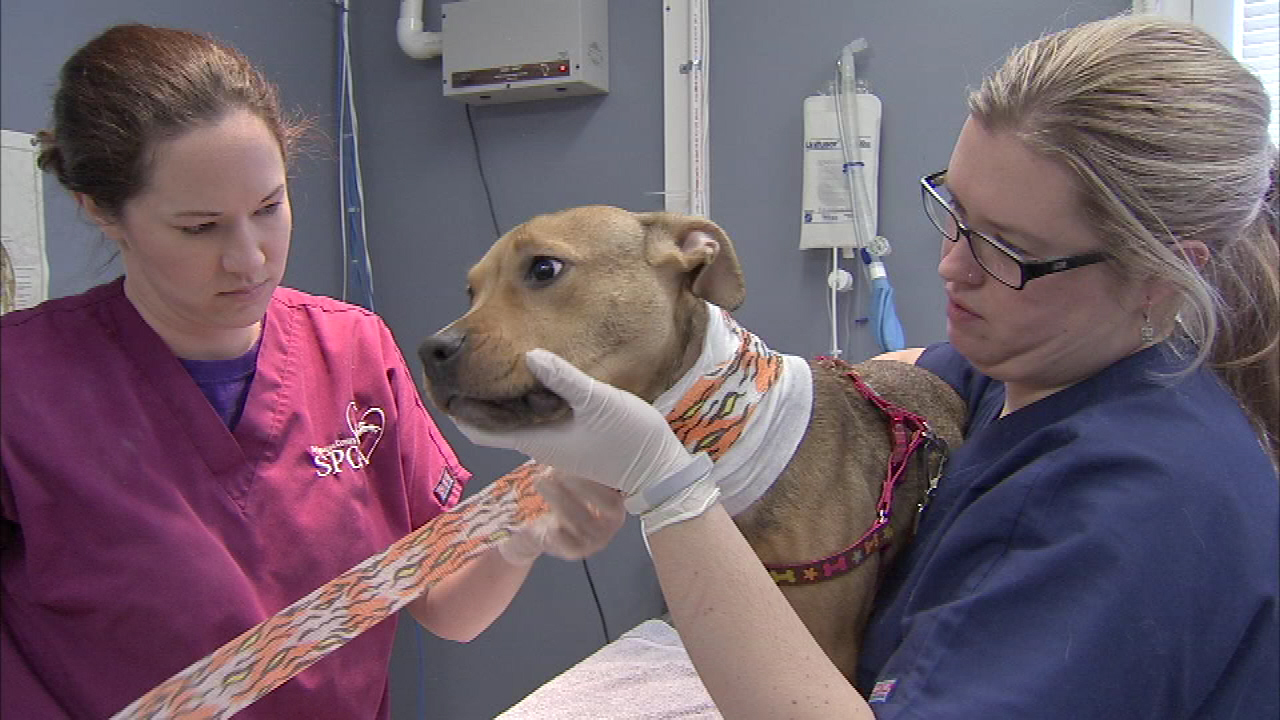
(623, 296)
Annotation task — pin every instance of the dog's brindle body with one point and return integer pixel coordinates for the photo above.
(621, 295)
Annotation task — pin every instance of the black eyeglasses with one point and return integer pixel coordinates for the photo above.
(999, 260)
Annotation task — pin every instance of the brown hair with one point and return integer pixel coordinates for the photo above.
(135, 85)
(1166, 136)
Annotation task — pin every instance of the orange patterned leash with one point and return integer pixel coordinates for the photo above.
(267, 655)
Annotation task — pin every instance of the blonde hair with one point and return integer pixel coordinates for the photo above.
(1166, 135)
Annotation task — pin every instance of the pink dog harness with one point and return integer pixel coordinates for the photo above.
(909, 432)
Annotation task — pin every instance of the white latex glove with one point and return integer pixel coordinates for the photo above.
(615, 439)
(583, 517)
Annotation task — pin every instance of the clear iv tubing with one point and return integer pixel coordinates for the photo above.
(846, 89)
(851, 145)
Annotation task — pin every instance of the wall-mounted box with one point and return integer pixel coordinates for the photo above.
(499, 51)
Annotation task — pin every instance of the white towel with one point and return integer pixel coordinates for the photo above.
(644, 675)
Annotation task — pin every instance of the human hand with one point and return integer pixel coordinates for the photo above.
(583, 516)
(615, 439)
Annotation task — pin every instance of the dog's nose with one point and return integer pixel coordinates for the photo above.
(439, 349)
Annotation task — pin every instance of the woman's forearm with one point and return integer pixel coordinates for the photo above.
(462, 605)
(752, 652)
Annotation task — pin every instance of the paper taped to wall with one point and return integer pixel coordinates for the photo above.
(25, 272)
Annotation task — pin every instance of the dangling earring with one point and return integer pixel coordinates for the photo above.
(1148, 332)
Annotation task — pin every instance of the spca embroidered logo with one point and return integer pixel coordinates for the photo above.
(351, 452)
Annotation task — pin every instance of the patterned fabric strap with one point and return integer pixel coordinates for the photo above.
(267, 655)
(834, 566)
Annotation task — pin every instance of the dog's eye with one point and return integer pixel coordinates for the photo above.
(544, 269)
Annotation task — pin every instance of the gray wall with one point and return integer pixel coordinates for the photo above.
(428, 220)
(293, 41)
(922, 57)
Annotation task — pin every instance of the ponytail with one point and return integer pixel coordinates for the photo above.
(1246, 350)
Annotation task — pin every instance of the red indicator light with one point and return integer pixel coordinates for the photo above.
(564, 68)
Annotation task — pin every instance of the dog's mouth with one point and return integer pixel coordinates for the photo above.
(499, 414)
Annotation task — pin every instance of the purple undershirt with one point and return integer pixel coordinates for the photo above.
(226, 382)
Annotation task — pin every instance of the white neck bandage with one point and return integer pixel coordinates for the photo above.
(743, 404)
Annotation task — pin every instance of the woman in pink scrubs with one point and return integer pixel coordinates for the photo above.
(192, 447)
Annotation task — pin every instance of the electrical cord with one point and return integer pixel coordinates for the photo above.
(488, 195)
(355, 248)
(419, 636)
(484, 181)
(595, 597)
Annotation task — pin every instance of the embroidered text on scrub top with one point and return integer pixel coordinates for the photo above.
(354, 451)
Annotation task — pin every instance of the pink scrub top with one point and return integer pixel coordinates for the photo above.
(139, 533)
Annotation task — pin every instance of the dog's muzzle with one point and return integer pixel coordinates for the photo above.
(461, 387)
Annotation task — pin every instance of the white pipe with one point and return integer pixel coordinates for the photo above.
(834, 283)
(699, 126)
(414, 41)
(685, 133)
(675, 106)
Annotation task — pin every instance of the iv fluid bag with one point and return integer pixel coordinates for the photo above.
(826, 218)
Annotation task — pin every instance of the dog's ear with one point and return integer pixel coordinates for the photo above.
(701, 250)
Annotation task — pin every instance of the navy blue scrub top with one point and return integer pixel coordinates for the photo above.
(1110, 551)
